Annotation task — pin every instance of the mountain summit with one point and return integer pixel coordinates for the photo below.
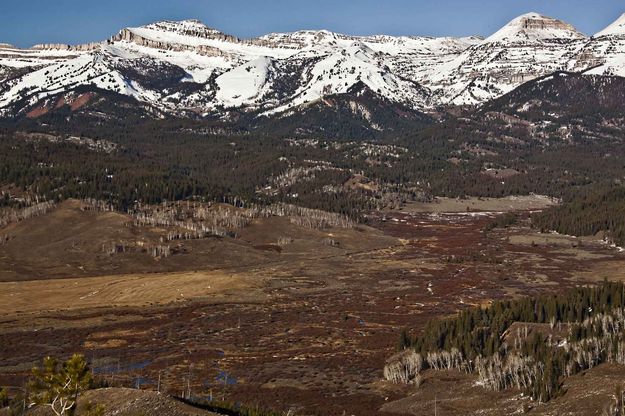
(617, 28)
(534, 27)
(186, 32)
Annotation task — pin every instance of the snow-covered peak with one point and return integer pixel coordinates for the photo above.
(617, 28)
(190, 27)
(168, 32)
(534, 27)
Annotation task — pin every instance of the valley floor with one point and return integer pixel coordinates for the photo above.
(307, 327)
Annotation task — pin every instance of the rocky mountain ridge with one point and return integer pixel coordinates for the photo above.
(188, 67)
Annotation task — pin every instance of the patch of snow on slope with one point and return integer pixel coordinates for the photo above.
(243, 84)
(87, 69)
(200, 67)
(340, 70)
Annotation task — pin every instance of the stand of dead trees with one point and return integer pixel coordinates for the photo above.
(190, 220)
(12, 215)
(157, 251)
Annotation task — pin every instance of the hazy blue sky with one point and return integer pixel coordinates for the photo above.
(74, 21)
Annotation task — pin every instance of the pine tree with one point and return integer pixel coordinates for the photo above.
(58, 386)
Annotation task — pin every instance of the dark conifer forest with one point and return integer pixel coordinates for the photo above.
(137, 159)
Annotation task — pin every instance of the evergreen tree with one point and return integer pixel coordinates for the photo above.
(57, 385)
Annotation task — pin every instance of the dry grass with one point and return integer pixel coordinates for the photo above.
(600, 270)
(512, 203)
(125, 290)
(71, 242)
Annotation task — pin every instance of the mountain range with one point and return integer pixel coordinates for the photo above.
(187, 68)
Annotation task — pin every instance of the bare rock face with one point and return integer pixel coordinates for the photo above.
(86, 47)
(585, 58)
(528, 47)
(533, 22)
(162, 34)
(128, 35)
(191, 28)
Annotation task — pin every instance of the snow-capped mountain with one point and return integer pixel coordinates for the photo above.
(604, 53)
(186, 66)
(528, 47)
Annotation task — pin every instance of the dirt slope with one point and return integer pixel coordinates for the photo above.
(130, 402)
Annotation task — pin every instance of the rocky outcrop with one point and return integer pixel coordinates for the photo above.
(128, 35)
(533, 27)
(192, 28)
(86, 47)
(532, 22)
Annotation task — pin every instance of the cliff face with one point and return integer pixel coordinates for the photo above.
(541, 23)
(190, 29)
(128, 35)
(86, 47)
(156, 36)
(536, 28)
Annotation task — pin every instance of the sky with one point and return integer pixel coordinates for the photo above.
(24, 23)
